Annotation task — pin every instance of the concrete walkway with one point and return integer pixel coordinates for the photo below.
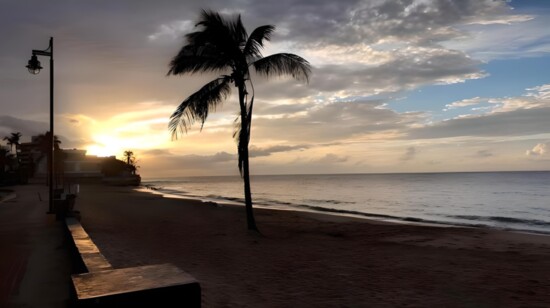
(34, 263)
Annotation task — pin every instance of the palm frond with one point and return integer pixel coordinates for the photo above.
(213, 21)
(227, 35)
(256, 41)
(284, 64)
(194, 59)
(238, 31)
(198, 105)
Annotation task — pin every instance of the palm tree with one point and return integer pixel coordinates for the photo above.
(128, 155)
(13, 140)
(223, 45)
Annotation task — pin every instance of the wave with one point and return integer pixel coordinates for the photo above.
(503, 219)
(329, 201)
(331, 206)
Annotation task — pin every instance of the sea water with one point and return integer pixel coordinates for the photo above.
(504, 200)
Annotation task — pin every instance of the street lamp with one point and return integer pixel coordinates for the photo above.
(34, 68)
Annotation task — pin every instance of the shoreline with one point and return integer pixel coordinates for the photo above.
(307, 259)
(338, 212)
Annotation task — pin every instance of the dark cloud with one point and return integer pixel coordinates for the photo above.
(27, 128)
(165, 163)
(332, 159)
(483, 154)
(335, 121)
(157, 152)
(409, 154)
(519, 122)
(190, 159)
(349, 22)
(267, 151)
(405, 71)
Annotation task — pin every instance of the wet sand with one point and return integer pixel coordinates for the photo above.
(316, 260)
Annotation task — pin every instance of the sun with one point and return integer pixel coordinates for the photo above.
(115, 144)
(105, 146)
(97, 150)
(129, 131)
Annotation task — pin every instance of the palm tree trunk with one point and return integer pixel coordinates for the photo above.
(251, 221)
(243, 153)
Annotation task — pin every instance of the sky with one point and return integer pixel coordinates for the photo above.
(396, 85)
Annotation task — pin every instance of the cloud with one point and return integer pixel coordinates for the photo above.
(534, 97)
(407, 69)
(510, 116)
(27, 128)
(172, 30)
(373, 21)
(538, 150)
(336, 121)
(267, 151)
(266, 108)
(359, 49)
(466, 102)
(409, 154)
(193, 159)
(331, 158)
(520, 122)
(498, 41)
(157, 152)
(483, 154)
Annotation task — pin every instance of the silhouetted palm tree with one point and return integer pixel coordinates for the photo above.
(13, 140)
(128, 155)
(223, 45)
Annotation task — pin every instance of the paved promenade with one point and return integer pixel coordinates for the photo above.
(34, 263)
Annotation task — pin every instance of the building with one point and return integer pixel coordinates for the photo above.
(76, 164)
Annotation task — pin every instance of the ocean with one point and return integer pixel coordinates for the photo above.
(504, 200)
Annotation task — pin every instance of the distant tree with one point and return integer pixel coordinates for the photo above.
(129, 155)
(223, 45)
(13, 140)
(131, 160)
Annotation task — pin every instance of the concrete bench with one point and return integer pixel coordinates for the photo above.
(86, 251)
(161, 285)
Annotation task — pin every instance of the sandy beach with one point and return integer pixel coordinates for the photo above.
(316, 260)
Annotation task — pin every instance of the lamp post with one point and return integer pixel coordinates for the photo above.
(34, 68)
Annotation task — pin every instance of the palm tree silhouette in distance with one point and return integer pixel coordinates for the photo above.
(13, 140)
(128, 155)
(223, 45)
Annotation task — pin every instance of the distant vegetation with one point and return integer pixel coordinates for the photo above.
(11, 171)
